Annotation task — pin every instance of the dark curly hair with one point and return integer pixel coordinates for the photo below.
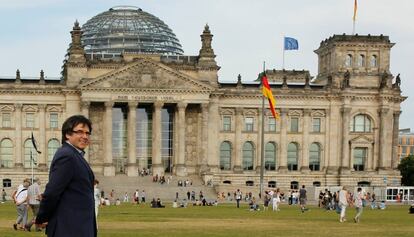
(72, 122)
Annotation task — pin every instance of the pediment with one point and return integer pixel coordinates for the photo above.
(250, 112)
(7, 108)
(318, 113)
(29, 108)
(227, 111)
(295, 112)
(53, 109)
(146, 74)
(362, 139)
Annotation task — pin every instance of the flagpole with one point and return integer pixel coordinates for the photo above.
(262, 165)
(354, 17)
(283, 46)
(353, 28)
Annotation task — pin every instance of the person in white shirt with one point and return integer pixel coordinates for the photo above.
(343, 203)
(97, 196)
(20, 198)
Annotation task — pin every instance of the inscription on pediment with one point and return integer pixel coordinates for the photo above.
(146, 77)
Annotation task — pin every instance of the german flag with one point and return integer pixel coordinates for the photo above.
(267, 92)
(355, 10)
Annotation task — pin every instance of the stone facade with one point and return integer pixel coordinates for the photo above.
(344, 121)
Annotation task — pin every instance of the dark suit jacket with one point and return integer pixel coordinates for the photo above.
(68, 200)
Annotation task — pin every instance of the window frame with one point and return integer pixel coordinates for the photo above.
(226, 126)
(249, 125)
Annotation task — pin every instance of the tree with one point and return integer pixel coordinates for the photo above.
(406, 168)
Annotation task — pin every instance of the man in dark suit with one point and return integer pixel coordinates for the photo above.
(67, 206)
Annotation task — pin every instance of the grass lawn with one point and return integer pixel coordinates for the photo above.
(226, 220)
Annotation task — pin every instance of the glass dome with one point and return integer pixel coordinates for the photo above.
(128, 29)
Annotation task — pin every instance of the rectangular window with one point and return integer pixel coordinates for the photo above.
(272, 124)
(54, 120)
(294, 124)
(400, 140)
(404, 150)
(226, 123)
(30, 120)
(407, 140)
(360, 155)
(6, 120)
(248, 121)
(316, 125)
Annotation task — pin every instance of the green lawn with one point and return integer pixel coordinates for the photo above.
(226, 220)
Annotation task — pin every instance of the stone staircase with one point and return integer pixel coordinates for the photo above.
(122, 184)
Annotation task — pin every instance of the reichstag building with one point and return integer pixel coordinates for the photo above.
(154, 108)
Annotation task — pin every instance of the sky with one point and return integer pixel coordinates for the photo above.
(35, 33)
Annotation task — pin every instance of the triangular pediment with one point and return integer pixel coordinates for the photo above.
(53, 109)
(29, 108)
(7, 108)
(318, 113)
(146, 74)
(362, 139)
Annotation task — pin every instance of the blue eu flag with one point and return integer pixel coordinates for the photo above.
(291, 43)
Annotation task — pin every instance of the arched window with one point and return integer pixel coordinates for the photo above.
(270, 156)
(360, 156)
(248, 154)
(271, 184)
(294, 185)
(316, 184)
(7, 183)
(249, 183)
(29, 154)
(361, 123)
(225, 156)
(314, 157)
(6, 153)
(361, 60)
(292, 158)
(374, 61)
(52, 146)
(364, 184)
(348, 60)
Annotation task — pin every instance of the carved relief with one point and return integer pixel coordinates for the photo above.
(96, 114)
(146, 75)
(191, 142)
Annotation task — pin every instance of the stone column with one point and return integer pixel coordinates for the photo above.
(157, 167)
(283, 140)
(385, 140)
(85, 108)
(85, 112)
(132, 156)
(18, 134)
(181, 168)
(395, 159)
(213, 143)
(109, 168)
(304, 165)
(238, 155)
(346, 166)
(204, 138)
(41, 158)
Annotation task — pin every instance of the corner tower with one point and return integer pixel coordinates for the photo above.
(354, 60)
